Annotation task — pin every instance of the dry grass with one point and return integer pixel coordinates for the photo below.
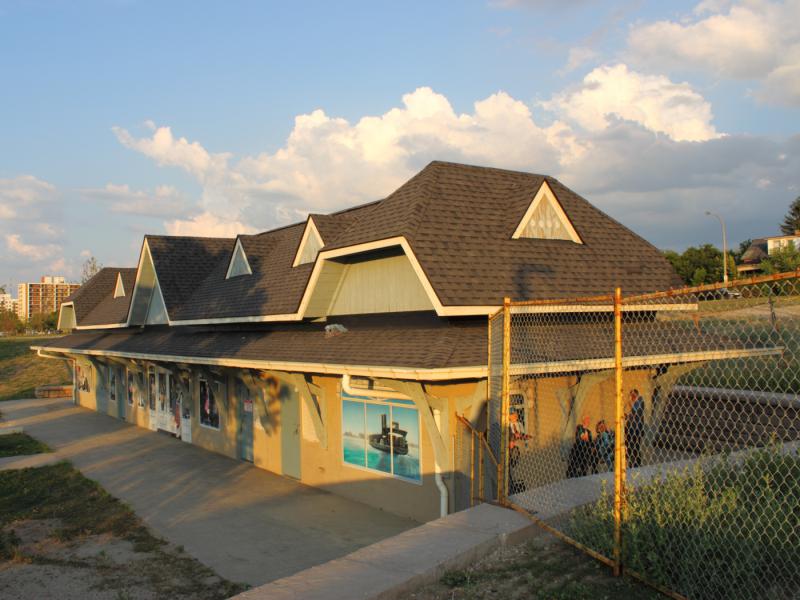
(21, 370)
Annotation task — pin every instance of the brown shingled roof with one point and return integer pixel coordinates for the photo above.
(94, 301)
(413, 340)
(458, 220)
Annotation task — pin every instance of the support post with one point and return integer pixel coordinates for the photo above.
(480, 471)
(619, 435)
(502, 482)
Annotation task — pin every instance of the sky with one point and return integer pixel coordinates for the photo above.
(125, 117)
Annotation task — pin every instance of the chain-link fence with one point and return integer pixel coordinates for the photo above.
(659, 432)
(476, 467)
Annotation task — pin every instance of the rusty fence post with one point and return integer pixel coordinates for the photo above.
(619, 435)
(504, 404)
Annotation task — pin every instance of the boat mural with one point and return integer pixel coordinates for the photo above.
(390, 437)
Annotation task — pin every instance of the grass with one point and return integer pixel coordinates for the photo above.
(83, 508)
(543, 569)
(21, 370)
(726, 530)
(20, 444)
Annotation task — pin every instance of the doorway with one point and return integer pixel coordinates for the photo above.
(246, 412)
(290, 432)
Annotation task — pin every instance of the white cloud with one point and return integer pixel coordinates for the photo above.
(325, 160)
(650, 100)
(24, 197)
(34, 252)
(577, 57)
(207, 225)
(596, 144)
(163, 201)
(749, 40)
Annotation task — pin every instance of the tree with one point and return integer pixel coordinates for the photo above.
(9, 322)
(743, 247)
(791, 222)
(89, 269)
(699, 265)
(782, 259)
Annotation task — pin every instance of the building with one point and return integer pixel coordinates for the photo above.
(342, 351)
(43, 297)
(7, 303)
(762, 248)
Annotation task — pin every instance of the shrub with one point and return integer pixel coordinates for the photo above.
(720, 529)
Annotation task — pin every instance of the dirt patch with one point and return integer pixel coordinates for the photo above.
(63, 536)
(98, 567)
(543, 569)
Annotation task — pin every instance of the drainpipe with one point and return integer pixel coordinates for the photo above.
(437, 470)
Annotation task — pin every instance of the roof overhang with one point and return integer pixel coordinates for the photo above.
(385, 371)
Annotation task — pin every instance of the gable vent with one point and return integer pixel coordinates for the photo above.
(239, 264)
(119, 289)
(545, 219)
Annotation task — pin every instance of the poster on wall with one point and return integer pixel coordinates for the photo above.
(112, 384)
(82, 378)
(209, 413)
(381, 434)
(152, 391)
(130, 388)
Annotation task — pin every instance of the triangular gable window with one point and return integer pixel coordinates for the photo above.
(546, 220)
(119, 289)
(239, 264)
(310, 245)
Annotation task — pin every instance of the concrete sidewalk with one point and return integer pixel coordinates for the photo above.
(395, 567)
(249, 525)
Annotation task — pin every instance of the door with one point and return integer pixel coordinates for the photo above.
(290, 432)
(245, 439)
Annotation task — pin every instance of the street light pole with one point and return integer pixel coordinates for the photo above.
(724, 246)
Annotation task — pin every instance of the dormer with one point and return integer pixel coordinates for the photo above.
(545, 219)
(239, 265)
(119, 288)
(310, 244)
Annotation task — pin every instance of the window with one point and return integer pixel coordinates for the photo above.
(151, 388)
(381, 434)
(130, 388)
(112, 384)
(209, 410)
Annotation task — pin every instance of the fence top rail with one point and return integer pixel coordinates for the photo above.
(710, 287)
(577, 300)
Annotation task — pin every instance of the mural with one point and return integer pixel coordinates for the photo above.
(381, 434)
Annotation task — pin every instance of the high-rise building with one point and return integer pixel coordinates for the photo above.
(43, 297)
(7, 303)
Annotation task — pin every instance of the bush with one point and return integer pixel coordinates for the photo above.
(723, 529)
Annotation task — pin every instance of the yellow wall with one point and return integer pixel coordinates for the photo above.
(222, 440)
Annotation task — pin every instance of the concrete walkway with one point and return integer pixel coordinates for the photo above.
(396, 567)
(249, 525)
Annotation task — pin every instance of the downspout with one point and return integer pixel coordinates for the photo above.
(437, 469)
(437, 472)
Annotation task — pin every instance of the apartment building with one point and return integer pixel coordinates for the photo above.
(43, 297)
(7, 303)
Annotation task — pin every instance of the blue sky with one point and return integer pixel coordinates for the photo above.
(120, 118)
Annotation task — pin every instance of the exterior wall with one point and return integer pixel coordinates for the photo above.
(775, 243)
(325, 467)
(320, 467)
(87, 399)
(222, 440)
